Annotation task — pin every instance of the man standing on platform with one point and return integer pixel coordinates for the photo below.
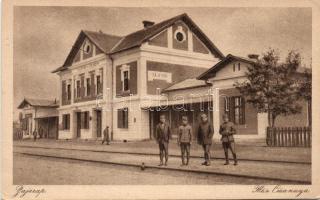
(205, 134)
(163, 135)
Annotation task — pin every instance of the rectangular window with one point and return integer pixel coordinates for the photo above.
(66, 122)
(125, 80)
(78, 89)
(234, 67)
(88, 87)
(123, 118)
(85, 120)
(235, 107)
(69, 92)
(99, 88)
(238, 66)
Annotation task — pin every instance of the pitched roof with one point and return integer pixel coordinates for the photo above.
(212, 71)
(187, 84)
(135, 39)
(103, 41)
(111, 44)
(38, 103)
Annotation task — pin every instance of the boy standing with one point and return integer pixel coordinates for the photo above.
(185, 139)
(227, 131)
(205, 134)
(163, 134)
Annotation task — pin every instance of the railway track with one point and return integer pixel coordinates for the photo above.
(171, 155)
(69, 155)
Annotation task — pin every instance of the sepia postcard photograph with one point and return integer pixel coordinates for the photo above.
(160, 99)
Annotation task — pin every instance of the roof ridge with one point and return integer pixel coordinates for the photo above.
(143, 29)
(102, 33)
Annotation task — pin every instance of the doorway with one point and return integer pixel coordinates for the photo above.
(99, 122)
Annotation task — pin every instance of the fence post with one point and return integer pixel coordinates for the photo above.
(285, 136)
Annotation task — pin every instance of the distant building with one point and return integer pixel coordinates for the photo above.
(126, 82)
(39, 114)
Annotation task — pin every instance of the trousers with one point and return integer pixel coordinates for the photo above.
(229, 145)
(185, 151)
(206, 149)
(164, 153)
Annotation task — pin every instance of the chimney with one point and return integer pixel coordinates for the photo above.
(147, 24)
(253, 56)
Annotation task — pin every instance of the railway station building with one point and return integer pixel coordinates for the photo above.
(170, 68)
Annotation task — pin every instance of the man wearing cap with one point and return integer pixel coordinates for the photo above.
(227, 131)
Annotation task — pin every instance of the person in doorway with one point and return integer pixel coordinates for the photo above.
(205, 134)
(185, 139)
(227, 131)
(163, 135)
(35, 134)
(106, 137)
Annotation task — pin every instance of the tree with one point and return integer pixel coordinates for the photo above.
(271, 86)
(305, 91)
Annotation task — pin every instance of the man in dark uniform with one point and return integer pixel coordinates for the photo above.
(163, 134)
(205, 134)
(106, 137)
(227, 131)
(35, 134)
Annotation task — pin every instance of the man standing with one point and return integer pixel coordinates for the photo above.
(185, 139)
(163, 134)
(106, 137)
(35, 134)
(205, 134)
(227, 131)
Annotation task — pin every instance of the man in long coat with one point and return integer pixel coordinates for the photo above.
(163, 135)
(205, 134)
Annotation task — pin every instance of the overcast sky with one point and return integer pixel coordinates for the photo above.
(43, 36)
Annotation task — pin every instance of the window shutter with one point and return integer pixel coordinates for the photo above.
(101, 82)
(82, 87)
(63, 89)
(93, 86)
(120, 118)
(87, 119)
(125, 117)
(231, 108)
(82, 120)
(243, 110)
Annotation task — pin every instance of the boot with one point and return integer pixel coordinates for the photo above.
(235, 159)
(227, 158)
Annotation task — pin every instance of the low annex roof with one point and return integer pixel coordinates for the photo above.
(187, 84)
(212, 71)
(38, 103)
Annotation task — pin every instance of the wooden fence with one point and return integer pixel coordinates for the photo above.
(289, 136)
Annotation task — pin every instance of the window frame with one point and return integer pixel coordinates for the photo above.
(85, 120)
(235, 108)
(66, 122)
(123, 118)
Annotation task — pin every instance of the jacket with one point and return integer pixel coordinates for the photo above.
(227, 131)
(205, 133)
(106, 133)
(185, 134)
(163, 133)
